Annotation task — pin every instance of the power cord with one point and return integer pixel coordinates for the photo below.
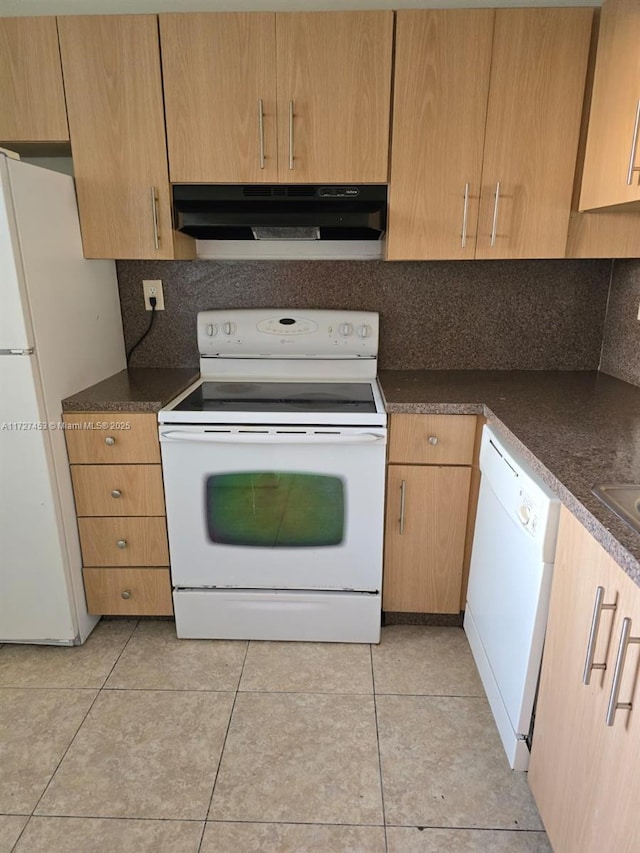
(153, 302)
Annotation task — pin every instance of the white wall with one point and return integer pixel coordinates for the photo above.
(113, 7)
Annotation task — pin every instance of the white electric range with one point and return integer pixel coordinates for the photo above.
(274, 470)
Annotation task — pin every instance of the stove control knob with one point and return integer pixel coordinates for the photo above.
(346, 329)
(212, 330)
(364, 331)
(229, 328)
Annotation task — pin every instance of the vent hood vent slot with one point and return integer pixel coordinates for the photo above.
(280, 212)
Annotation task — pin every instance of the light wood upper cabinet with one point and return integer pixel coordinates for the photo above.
(533, 122)
(583, 773)
(333, 92)
(32, 107)
(538, 62)
(288, 98)
(219, 74)
(612, 160)
(113, 85)
(442, 67)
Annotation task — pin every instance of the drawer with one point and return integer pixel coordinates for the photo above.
(111, 437)
(118, 489)
(128, 592)
(432, 439)
(124, 541)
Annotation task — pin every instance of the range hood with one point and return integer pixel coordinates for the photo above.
(279, 212)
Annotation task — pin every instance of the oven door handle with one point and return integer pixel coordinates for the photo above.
(273, 438)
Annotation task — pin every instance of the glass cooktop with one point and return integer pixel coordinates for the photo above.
(339, 397)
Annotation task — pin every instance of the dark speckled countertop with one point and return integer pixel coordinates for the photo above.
(139, 389)
(575, 429)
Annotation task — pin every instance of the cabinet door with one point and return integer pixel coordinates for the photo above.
(32, 107)
(426, 520)
(613, 140)
(581, 770)
(111, 67)
(219, 74)
(533, 123)
(333, 90)
(441, 85)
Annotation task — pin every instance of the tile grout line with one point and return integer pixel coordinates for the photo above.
(375, 714)
(224, 743)
(82, 722)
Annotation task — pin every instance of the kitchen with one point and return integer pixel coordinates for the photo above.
(550, 314)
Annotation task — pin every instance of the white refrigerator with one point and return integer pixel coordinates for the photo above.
(60, 331)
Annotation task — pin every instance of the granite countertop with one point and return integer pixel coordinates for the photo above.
(575, 429)
(138, 389)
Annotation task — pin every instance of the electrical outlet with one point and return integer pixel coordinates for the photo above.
(153, 288)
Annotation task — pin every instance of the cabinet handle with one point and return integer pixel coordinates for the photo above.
(625, 641)
(291, 134)
(494, 226)
(116, 493)
(261, 130)
(110, 440)
(121, 543)
(634, 146)
(598, 607)
(154, 216)
(126, 593)
(465, 210)
(403, 487)
(433, 440)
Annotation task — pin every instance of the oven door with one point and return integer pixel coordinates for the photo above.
(274, 507)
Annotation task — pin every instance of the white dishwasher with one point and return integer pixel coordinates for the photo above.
(509, 585)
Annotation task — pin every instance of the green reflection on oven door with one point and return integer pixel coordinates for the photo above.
(275, 510)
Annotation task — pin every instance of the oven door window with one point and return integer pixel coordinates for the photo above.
(273, 509)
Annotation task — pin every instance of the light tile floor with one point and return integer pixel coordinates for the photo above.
(140, 742)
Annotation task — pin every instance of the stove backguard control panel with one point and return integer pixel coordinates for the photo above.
(276, 333)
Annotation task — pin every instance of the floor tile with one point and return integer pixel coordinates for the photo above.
(143, 754)
(156, 659)
(294, 757)
(414, 840)
(425, 660)
(308, 668)
(291, 838)
(36, 727)
(66, 666)
(10, 828)
(86, 835)
(443, 765)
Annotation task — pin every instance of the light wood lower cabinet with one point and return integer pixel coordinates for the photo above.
(428, 489)
(117, 484)
(583, 772)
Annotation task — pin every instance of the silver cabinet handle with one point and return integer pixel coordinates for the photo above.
(291, 134)
(634, 147)
(598, 607)
(121, 543)
(433, 440)
(403, 487)
(110, 440)
(625, 641)
(116, 493)
(261, 130)
(494, 226)
(154, 216)
(126, 593)
(465, 211)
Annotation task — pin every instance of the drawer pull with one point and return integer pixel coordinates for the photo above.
(110, 440)
(625, 641)
(126, 593)
(403, 489)
(433, 440)
(598, 607)
(121, 543)
(116, 493)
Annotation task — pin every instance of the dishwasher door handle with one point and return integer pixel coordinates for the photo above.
(272, 437)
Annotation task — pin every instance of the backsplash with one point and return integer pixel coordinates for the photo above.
(621, 340)
(537, 315)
